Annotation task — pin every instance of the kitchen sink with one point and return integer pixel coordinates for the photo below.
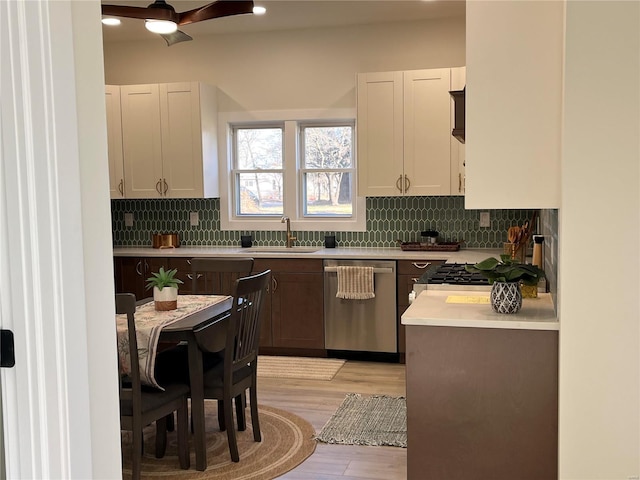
(280, 250)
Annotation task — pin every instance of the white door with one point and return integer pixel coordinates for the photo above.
(380, 142)
(181, 139)
(58, 421)
(141, 141)
(114, 129)
(427, 134)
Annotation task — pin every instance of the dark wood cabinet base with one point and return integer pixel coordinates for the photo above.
(482, 404)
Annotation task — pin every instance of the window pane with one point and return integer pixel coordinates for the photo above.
(327, 147)
(328, 194)
(258, 148)
(260, 194)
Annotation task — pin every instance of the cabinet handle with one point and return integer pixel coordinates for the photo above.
(275, 284)
(166, 187)
(407, 184)
(188, 262)
(138, 265)
(121, 187)
(414, 279)
(421, 265)
(158, 186)
(398, 183)
(190, 276)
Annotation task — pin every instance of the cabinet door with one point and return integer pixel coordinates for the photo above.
(458, 82)
(114, 141)
(427, 132)
(409, 272)
(129, 275)
(181, 140)
(141, 141)
(514, 134)
(297, 310)
(380, 134)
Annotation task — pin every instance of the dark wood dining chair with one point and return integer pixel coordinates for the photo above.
(141, 405)
(229, 379)
(213, 275)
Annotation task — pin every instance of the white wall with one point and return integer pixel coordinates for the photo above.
(599, 304)
(295, 69)
(104, 415)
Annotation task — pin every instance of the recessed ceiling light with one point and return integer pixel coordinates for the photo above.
(111, 21)
(259, 10)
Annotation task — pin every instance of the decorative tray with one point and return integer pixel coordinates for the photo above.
(442, 247)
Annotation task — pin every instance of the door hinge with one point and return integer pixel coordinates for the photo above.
(7, 350)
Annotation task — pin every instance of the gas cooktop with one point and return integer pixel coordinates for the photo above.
(456, 274)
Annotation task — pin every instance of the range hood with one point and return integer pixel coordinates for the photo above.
(458, 121)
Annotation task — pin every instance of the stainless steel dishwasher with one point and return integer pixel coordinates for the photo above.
(361, 325)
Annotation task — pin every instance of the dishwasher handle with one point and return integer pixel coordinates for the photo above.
(375, 270)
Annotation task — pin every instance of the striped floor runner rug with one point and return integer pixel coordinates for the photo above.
(368, 420)
(298, 367)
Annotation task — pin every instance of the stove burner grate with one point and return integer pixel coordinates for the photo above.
(456, 274)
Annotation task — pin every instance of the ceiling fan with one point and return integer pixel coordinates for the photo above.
(162, 18)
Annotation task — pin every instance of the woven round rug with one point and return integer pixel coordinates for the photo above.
(287, 440)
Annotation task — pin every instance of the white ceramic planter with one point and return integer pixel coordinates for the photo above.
(165, 299)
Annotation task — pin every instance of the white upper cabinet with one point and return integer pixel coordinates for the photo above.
(114, 138)
(404, 133)
(380, 134)
(169, 140)
(427, 132)
(458, 82)
(514, 60)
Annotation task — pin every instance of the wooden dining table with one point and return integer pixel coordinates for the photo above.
(203, 331)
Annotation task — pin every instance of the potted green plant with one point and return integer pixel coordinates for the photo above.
(505, 276)
(165, 288)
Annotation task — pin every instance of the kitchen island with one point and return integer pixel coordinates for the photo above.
(482, 388)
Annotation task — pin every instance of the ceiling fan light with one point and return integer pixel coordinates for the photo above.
(160, 26)
(111, 21)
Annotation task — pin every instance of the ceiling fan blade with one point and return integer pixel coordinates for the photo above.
(175, 37)
(139, 12)
(221, 8)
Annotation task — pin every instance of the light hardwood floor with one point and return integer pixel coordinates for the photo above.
(317, 400)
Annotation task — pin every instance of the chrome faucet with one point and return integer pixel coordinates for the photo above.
(290, 238)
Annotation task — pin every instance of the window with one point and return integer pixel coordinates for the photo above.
(327, 170)
(303, 168)
(258, 171)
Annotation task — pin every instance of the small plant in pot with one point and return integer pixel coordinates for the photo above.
(506, 275)
(165, 288)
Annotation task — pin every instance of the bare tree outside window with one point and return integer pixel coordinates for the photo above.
(259, 171)
(327, 171)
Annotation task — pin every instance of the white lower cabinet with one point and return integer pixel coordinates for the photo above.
(404, 134)
(169, 145)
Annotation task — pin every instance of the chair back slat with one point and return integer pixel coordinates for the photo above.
(210, 275)
(243, 335)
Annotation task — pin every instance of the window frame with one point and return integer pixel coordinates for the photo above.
(292, 180)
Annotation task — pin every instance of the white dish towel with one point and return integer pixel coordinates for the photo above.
(355, 283)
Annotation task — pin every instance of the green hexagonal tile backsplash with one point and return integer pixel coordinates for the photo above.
(388, 219)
